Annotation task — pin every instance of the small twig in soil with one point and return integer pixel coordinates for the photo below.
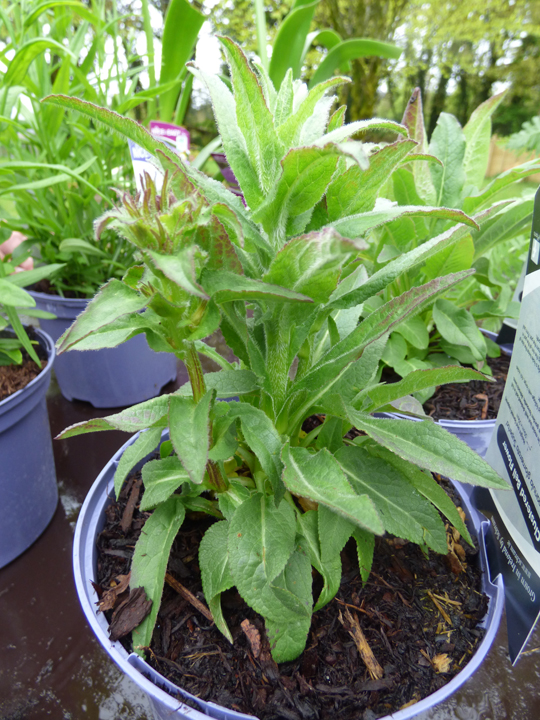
(484, 397)
(185, 593)
(440, 608)
(366, 653)
(127, 515)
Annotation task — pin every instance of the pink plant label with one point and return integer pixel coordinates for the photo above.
(177, 136)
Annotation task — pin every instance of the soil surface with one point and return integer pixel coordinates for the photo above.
(417, 614)
(475, 400)
(44, 286)
(17, 377)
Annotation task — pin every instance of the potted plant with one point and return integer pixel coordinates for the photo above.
(56, 174)
(280, 289)
(448, 332)
(291, 44)
(28, 492)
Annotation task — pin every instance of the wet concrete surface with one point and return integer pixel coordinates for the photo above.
(52, 667)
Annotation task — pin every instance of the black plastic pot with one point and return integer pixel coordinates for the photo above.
(28, 491)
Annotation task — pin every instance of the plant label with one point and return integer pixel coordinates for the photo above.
(143, 162)
(176, 136)
(514, 452)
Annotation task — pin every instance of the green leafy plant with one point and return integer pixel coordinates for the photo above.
(13, 301)
(174, 88)
(58, 173)
(283, 279)
(293, 40)
(527, 138)
(450, 171)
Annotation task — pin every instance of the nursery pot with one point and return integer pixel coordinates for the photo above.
(28, 492)
(90, 523)
(124, 375)
(476, 433)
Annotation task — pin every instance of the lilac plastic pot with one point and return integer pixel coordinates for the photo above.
(476, 433)
(170, 704)
(124, 375)
(28, 491)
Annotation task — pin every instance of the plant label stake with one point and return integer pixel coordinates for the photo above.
(514, 452)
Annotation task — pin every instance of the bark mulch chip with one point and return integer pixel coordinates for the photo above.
(414, 623)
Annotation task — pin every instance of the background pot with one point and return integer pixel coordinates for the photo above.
(124, 375)
(91, 521)
(28, 491)
(476, 433)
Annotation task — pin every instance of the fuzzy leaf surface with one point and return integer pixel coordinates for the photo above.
(114, 300)
(254, 119)
(458, 327)
(188, 423)
(327, 371)
(426, 485)
(261, 541)
(477, 134)
(448, 144)
(161, 478)
(143, 446)
(356, 190)
(150, 562)
(319, 478)
(215, 573)
(263, 438)
(302, 183)
(226, 383)
(311, 264)
(383, 394)
(354, 226)
(334, 532)
(429, 446)
(137, 417)
(404, 512)
(288, 629)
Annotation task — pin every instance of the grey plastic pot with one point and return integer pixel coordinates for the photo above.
(124, 375)
(171, 704)
(476, 433)
(28, 491)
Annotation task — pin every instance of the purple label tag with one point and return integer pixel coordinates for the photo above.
(177, 136)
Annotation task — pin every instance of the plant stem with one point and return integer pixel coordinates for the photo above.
(195, 372)
(198, 386)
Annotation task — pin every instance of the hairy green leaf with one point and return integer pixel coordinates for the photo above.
(215, 574)
(319, 478)
(161, 478)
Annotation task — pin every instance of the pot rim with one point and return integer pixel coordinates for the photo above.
(89, 524)
(68, 302)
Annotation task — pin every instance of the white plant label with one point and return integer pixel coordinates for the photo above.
(514, 452)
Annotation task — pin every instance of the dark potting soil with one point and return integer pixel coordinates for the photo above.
(417, 614)
(44, 286)
(475, 400)
(17, 377)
